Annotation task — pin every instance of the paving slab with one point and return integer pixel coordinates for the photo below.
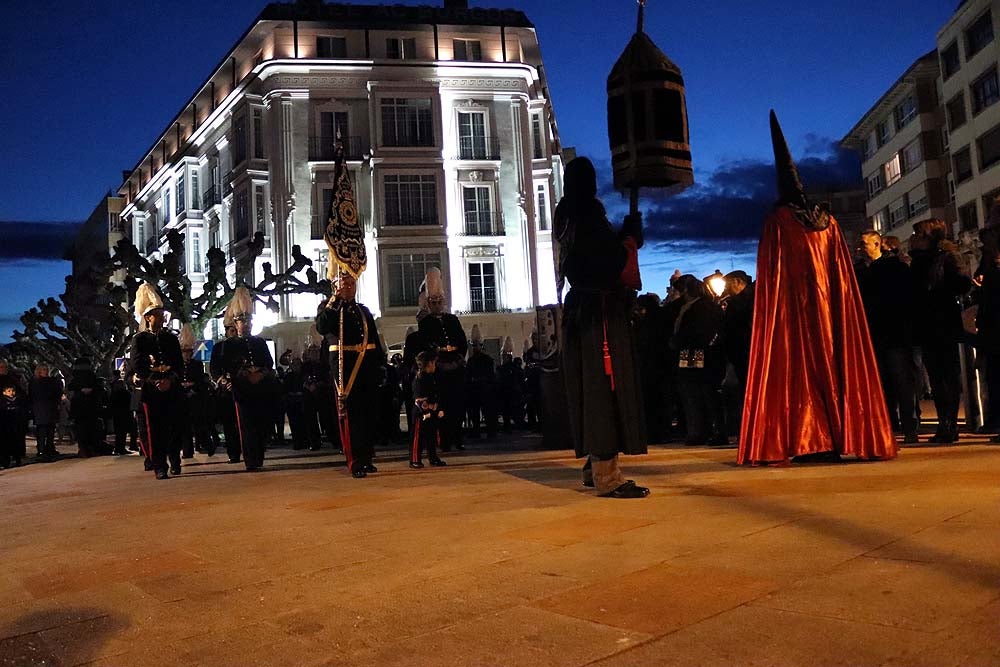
(503, 559)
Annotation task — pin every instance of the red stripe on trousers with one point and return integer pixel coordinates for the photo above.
(149, 433)
(344, 425)
(239, 429)
(415, 450)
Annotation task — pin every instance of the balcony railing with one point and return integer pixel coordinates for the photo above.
(405, 220)
(478, 148)
(152, 245)
(212, 197)
(483, 299)
(324, 148)
(483, 223)
(227, 184)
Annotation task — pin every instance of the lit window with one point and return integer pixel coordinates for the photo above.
(410, 200)
(405, 272)
(893, 170)
(407, 122)
(482, 287)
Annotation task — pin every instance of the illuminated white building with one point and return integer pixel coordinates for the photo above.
(450, 138)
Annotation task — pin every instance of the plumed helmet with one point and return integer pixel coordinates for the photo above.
(187, 338)
(147, 299)
(241, 305)
(476, 336)
(434, 283)
(508, 345)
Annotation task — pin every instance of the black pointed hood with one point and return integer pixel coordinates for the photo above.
(790, 190)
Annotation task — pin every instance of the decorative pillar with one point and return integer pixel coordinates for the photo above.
(521, 124)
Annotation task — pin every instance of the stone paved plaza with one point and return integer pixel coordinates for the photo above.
(504, 560)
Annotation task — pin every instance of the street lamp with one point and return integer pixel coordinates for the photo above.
(717, 283)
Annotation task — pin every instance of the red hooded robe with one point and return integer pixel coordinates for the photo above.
(813, 383)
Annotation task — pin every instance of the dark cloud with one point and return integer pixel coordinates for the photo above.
(730, 204)
(35, 240)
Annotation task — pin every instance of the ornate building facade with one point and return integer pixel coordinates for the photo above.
(450, 138)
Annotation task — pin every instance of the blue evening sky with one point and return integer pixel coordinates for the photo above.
(88, 85)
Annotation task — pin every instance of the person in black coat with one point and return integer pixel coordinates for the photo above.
(85, 405)
(157, 363)
(358, 388)
(196, 388)
(122, 416)
(481, 375)
(737, 326)
(441, 331)
(248, 372)
(427, 412)
(887, 291)
(45, 393)
(988, 320)
(939, 281)
(701, 362)
(225, 408)
(13, 419)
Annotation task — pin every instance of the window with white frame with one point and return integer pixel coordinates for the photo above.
(472, 140)
(483, 287)
(324, 201)
(407, 122)
(330, 123)
(215, 235)
(917, 200)
(258, 133)
(871, 145)
(898, 212)
(196, 263)
(239, 139)
(404, 273)
(893, 170)
(260, 209)
(401, 48)
(884, 131)
(468, 49)
(477, 205)
(195, 190)
(878, 221)
(542, 207)
(140, 231)
(538, 146)
(905, 112)
(875, 184)
(911, 156)
(179, 187)
(166, 206)
(331, 47)
(410, 200)
(985, 91)
(241, 214)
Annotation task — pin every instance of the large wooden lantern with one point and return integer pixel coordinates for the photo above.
(647, 119)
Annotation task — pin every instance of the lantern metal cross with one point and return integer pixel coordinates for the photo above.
(647, 119)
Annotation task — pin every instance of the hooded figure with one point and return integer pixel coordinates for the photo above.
(603, 395)
(810, 333)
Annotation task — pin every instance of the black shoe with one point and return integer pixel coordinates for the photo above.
(187, 456)
(161, 474)
(445, 448)
(416, 465)
(211, 453)
(627, 490)
(911, 439)
(460, 447)
(359, 474)
(253, 468)
(314, 448)
(147, 465)
(369, 468)
(437, 463)
(589, 483)
(233, 461)
(175, 470)
(995, 440)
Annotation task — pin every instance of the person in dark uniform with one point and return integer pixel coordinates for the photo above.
(427, 412)
(197, 389)
(122, 416)
(225, 408)
(249, 374)
(317, 413)
(14, 416)
(443, 333)
(44, 394)
(413, 344)
(481, 373)
(356, 367)
(85, 396)
(156, 361)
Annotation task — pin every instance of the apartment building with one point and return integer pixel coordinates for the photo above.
(450, 138)
(904, 147)
(969, 54)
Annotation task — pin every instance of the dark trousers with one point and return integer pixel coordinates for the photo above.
(12, 445)
(125, 431)
(362, 424)
(945, 373)
(702, 404)
(255, 421)
(992, 420)
(295, 411)
(227, 417)
(480, 406)
(87, 431)
(898, 370)
(158, 421)
(45, 439)
(451, 384)
(425, 437)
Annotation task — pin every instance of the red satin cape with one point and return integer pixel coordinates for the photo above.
(813, 383)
